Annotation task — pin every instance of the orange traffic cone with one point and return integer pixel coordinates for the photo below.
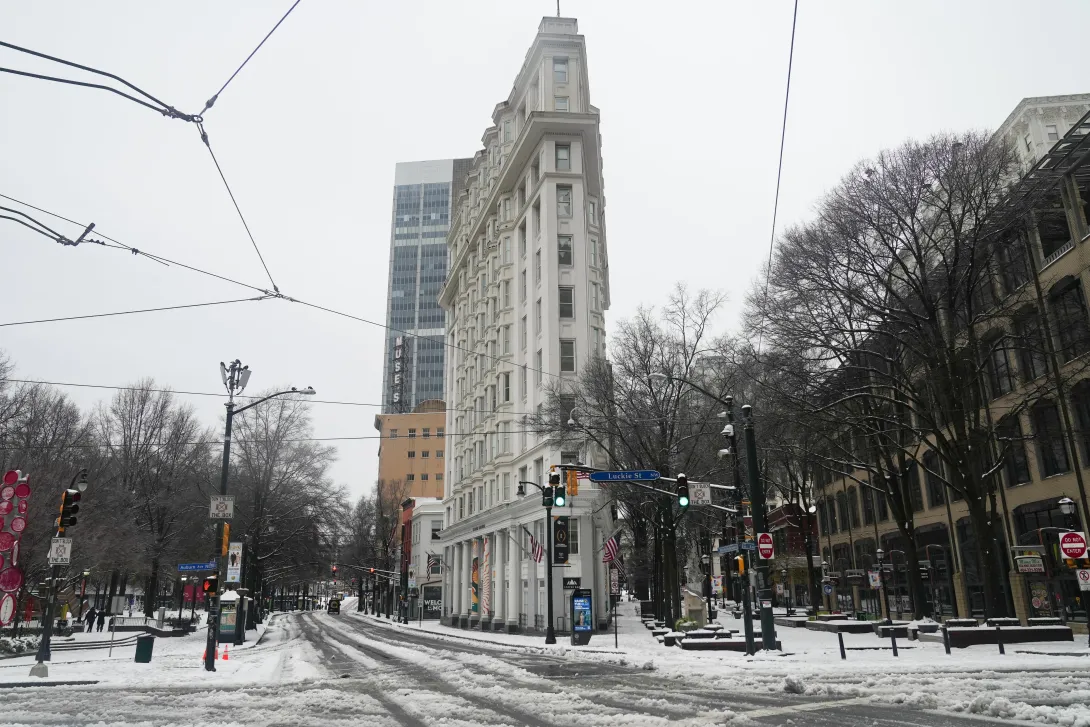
(204, 655)
(225, 652)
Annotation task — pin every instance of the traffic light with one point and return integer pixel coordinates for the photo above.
(69, 507)
(226, 538)
(547, 496)
(371, 571)
(560, 497)
(682, 490)
(211, 586)
(740, 562)
(334, 570)
(554, 479)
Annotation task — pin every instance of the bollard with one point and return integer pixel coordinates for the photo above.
(946, 639)
(893, 640)
(840, 638)
(999, 638)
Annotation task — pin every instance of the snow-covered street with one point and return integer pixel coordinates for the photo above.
(320, 669)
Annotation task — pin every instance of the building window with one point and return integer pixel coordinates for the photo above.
(505, 380)
(537, 317)
(410, 477)
(411, 454)
(522, 335)
(537, 371)
(1052, 132)
(1051, 452)
(936, 489)
(567, 356)
(1052, 229)
(564, 250)
(563, 201)
(507, 339)
(560, 70)
(537, 267)
(1013, 265)
(506, 486)
(592, 211)
(567, 302)
(594, 296)
(594, 252)
(522, 286)
(412, 434)
(868, 505)
(1013, 447)
(560, 103)
(522, 383)
(439, 454)
(998, 367)
(426, 432)
(573, 536)
(424, 477)
(507, 130)
(439, 432)
(1069, 310)
(462, 506)
(1031, 346)
(507, 294)
(563, 157)
(439, 477)
(393, 434)
(425, 454)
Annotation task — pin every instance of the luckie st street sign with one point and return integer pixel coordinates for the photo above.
(765, 548)
(1073, 545)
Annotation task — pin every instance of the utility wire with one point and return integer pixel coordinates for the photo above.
(208, 104)
(163, 108)
(779, 166)
(440, 340)
(204, 138)
(128, 312)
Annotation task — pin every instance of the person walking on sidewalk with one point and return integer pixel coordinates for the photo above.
(90, 619)
(101, 620)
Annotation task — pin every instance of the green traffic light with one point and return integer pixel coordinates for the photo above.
(683, 501)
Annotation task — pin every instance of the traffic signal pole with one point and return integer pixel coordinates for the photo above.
(760, 525)
(550, 632)
(211, 641)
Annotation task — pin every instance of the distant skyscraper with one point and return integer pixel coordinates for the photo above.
(413, 366)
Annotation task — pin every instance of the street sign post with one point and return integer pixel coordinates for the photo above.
(1073, 545)
(60, 551)
(765, 548)
(624, 476)
(1084, 579)
(700, 493)
(614, 582)
(222, 507)
(827, 589)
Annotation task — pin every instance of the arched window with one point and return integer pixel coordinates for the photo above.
(1015, 464)
(1080, 398)
(831, 504)
(842, 509)
(1068, 306)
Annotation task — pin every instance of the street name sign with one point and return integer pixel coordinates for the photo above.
(728, 549)
(765, 548)
(1073, 545)
(188, 567)
(749, 545)
(700, 493)
(624, 476)
(222, 507)
(60, 551)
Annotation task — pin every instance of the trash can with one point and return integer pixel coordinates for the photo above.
(144, 645)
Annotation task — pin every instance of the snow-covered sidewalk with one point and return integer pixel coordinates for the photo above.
(281, 656)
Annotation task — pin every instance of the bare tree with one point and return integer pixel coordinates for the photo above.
(890, 299)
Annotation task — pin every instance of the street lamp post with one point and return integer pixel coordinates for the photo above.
(547, 493)
(881, 554)
(757, 497)
(235, 377)
(786, 590)
(707, 561)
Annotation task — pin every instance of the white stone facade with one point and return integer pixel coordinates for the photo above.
(525, 301)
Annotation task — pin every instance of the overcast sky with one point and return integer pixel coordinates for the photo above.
(691, 96)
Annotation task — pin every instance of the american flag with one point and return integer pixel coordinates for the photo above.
(433, 562)
(611, 549)
(537, 552)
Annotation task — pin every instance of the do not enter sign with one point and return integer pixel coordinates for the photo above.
(1073, 545)
(765, 549)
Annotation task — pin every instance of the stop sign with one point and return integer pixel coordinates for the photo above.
(764, 546)
(1073, 545)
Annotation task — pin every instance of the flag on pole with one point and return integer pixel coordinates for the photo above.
(537, 552)
(611, 550)
(433, 562)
